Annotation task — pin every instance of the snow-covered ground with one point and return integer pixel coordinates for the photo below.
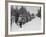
(35, 24)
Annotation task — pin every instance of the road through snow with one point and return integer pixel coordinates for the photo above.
(35, 24)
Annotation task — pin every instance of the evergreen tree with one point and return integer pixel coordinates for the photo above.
(16, 14)
(39, 13)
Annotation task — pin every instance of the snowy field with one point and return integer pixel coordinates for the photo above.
(35, 24)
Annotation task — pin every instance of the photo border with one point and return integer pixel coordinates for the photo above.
(6, 17)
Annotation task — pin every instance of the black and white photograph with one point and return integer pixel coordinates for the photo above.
(25, 18)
